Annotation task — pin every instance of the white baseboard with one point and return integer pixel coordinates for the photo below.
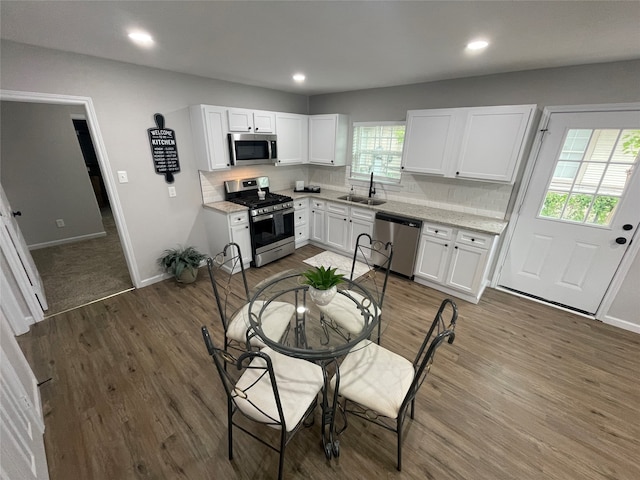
(37, 246)
(155, 279)
(625, 324)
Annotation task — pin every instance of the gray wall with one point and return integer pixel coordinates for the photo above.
(125, 98)
(617, 82)
(44, 174)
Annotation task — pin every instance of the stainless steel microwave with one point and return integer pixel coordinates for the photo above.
(252, 149)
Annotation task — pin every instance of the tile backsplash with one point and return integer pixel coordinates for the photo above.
(478, 198)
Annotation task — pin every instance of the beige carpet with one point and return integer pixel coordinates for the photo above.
(341, 262)
(75, 274)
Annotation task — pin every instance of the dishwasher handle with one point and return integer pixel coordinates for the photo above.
(389, 217)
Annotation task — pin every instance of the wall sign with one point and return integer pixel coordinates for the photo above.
(164, 149)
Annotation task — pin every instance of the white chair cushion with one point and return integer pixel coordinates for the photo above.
(345, 313)
(275, 319)
(298, 382)
(375, 377)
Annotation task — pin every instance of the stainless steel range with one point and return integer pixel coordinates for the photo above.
(270, 217)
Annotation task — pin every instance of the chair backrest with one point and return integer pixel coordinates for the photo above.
(246, 397)
(376, 256)
(438, 332)
(230, 294)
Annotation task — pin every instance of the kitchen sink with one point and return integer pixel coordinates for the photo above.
(362, 200)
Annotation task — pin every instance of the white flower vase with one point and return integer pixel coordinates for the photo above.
(322, 297)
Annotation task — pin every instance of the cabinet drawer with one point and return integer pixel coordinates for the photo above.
(438, 231)
(318, 204)
(302, 232)
(338, 208)
(301, 217)
(238, 218)
(480, 240)
(300, 204)
(363, 214)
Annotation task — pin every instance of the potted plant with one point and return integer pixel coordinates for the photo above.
(323, 283)
(183, 263)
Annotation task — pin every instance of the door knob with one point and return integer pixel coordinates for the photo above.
(627, 226)
(621, 240)
(17, 214)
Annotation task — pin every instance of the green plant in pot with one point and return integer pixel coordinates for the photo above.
(182, 263)
(323, 283)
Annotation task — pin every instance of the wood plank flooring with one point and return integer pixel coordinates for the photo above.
(525, 392)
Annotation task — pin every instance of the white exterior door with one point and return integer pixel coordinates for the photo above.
(20, 260)
(580, 211)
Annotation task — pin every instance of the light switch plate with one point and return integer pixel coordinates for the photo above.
(122, 176)
(172, 191)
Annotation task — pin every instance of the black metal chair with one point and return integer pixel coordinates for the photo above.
(232, 299)
(273, 389)
(380, 386)
(375, 257)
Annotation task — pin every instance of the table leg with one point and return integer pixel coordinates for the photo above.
(330, 444)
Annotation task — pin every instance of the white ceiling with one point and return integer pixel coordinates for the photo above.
(339, 45)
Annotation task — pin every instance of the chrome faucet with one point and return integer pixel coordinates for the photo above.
(372, 190)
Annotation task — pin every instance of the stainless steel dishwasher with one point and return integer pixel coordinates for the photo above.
(404, 234)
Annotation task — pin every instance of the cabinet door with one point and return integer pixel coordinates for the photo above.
(240, 234)
(360, 221)
(264, 122)
(322, 139)
(429, 141)
(209, 131)
(317, 233)
(240, 120)
(337, 230)
(433, 256)
(466, 268)
(293, 138)
(493, 142)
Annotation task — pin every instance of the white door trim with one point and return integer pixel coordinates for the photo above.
(103, 159)
(631, 251)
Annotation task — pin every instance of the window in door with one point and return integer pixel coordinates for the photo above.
(590, 176)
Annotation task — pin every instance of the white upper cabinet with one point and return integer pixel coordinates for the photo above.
(328, 136)
(293, 138)
(209, 130)
(493, 142)
(429, 141)
(251, 121)
(480, 143)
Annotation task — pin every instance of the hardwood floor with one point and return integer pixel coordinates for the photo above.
(525, 392)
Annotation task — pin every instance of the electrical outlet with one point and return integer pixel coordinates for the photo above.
(172, 191)
(122, 176)
(60, 223)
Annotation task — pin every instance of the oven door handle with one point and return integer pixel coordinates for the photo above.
(269, 216)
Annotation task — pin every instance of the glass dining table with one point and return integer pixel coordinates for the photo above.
(318, 333)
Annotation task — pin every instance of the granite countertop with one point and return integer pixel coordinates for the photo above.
(452, 218)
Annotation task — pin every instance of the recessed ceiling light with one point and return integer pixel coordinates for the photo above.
(299, 77)
(477, 45)
(141, 38)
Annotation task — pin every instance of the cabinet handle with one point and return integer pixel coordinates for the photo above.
(436, 231)
(456, 247)
(247, 226)
(473, 239)
(457, 173)
(249, 128)
(446, 244)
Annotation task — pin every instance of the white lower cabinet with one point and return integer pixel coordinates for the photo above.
(301, 221)
(337, 231)
(361, 221)
(223, 228)
(454, 261)
(317, 232)
(337, 225)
